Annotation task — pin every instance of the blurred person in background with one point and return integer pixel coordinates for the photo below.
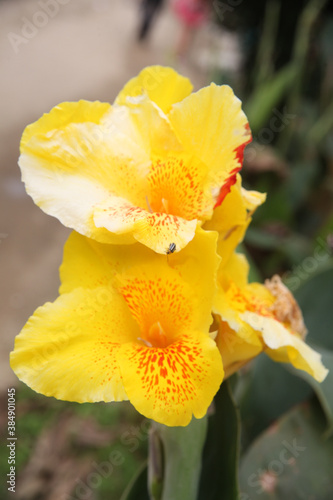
(149, 10)
(192, 14)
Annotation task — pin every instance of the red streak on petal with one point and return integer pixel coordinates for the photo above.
(225, 189)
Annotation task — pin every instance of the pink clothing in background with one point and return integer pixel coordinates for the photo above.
(192, 12)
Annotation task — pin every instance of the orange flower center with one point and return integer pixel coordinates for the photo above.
(160, 307)
(175, 185)
(155, 336)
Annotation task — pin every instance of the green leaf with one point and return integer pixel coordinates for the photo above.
(300, 183)
(294, 247)
(219, 476)
(323, 390)
(264, 393)
(315, 298)
(268, 95)
(291, 460)
(138, 489)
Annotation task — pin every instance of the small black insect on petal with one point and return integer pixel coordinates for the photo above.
(171, 248)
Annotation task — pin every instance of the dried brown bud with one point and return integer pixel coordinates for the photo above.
(285, 307)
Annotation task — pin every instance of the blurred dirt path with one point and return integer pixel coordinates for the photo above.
(82, 49)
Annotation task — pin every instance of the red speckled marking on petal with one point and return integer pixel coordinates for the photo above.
(155, 230)
(159, 230)
(246, 300)
(160, 300)
(125, 212)
(104, 354)
(168, 378)
(176, 187)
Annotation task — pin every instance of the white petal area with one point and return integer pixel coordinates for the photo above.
(252, 199)
(285, 347)
(69, 198)
(117, 215)
(144, 123)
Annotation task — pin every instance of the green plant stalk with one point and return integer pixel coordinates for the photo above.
(268, 95)
(219, 477)
(264, 61)
(322, 126)
(299, 56)
(301, 45)
(181, 449)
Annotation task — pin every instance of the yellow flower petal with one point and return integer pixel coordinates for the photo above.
(259, 318)
(285, 347)
(179, 295)
(65, 114)
(163, 85)
(120, 303)
(170, 384)
(59, 169)
(232, 218)
(85, 263)
(156, 230)
(236, 348)
(230, 315)
(69, 349)
(89, 264)
(236, 271)
(141, 169)
(144, 123)
(220, 144)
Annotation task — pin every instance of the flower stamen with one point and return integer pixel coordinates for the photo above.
(165, 205)
(148, 205)
(148, 344)
(156, 336)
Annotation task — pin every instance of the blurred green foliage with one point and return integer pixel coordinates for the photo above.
(287, 91)
(290, 110)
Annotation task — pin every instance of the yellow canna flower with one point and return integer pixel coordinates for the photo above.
(251, 318)
(151, 168)
(128, 324)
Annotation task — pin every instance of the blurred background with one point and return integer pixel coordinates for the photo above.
(278, 57)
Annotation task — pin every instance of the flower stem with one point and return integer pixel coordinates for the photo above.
(175, 455)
